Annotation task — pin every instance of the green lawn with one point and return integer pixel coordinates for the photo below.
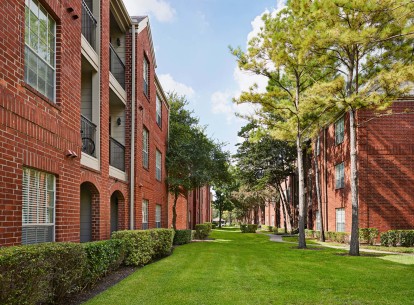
(249, 269)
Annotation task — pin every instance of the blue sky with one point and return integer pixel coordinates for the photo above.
(191, 40)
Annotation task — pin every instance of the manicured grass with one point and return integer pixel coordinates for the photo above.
(249, 269)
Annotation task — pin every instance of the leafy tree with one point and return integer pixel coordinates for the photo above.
(222, 203)
(192, 159)
(282, 53)
(371, 41)
(265, 162)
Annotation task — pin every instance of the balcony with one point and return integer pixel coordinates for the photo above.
(116, 66)
(89, 25)
(88, 134)
(116, 154)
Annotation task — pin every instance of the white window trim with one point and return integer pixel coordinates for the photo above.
(340, 175)
(158, 211)
(145, 207)
(34, 52)
(339, 131)
(158, 111)
(158, 165)
(145, 148)
(337, 221)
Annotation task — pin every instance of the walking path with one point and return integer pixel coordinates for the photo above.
(279, 239)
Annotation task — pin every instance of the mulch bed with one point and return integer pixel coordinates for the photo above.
(105, 283)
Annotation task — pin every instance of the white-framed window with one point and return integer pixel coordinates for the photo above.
(145, 147)
(318, 221)
(339, 131)
(38, 206)
(339, 176)
(158, 111)
(158, 171)
(340, 220)
(145, 71)
(158, 216)
(144, 214)
(40, 49)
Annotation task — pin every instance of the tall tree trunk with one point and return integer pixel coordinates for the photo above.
(286, 214)
(318, 194)
(220, 214)
(302, 206)
(354, 246)
(174, 218)
(290, 211)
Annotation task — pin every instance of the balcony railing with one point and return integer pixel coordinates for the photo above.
(88, 134)
(89, 25)
(116, 66)
(116, 154)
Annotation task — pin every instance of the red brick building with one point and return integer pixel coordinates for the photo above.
(193, 209)
(385, 146)
(81, 112)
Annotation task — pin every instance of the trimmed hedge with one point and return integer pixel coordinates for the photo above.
(143, 246)
(102, 257)
(393, 238)
(42, 273)
(368, 235)
(267, 228)
(249, 228)
(182, 237)
(340, 237)
(202, 230)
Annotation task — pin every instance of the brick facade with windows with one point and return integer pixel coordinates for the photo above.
(385, 163)
(79, 136)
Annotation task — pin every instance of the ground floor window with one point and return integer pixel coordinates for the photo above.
(144, 214)
(340, 220)
(158, 216)
(38, 210)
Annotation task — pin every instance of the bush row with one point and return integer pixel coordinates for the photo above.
(182, 237)
(340, 237)
(203, 230)
(368, 235)
(249, 228)
(267, 228)
(141, 247)
(393, 238)
(48, 272)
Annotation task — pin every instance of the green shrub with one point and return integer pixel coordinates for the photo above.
(407, 238)
(210, 226)
(393, 238)
(102, 257)
(202, 231)
(42, 273)
(249, 228)
(213, 226)
(142, 246)
(340, 237)
(162, 242)
(368, 235)
(275, 230)
(384, 239)
(267, 228)
(182, 237)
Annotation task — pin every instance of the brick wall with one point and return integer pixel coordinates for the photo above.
(35, 132)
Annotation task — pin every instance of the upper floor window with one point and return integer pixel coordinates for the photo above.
(38, 206)
(40, 49)
(145, 71)
(145, 147)
(158, 165)
(158, 216)
(339, 176)
(158, 111)
(339, 131)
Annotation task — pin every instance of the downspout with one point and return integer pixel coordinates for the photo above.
(132, 173)
(325, 178)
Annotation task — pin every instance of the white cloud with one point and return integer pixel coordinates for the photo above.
(160, 9)
(171, 85)
(222, 100)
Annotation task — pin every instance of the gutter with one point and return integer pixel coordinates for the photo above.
(132, 168)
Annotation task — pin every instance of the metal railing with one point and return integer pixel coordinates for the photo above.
(89, 25)
(116, 154)
(88, 134)
(116, 66)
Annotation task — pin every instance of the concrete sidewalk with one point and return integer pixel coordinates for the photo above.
(279, 239)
